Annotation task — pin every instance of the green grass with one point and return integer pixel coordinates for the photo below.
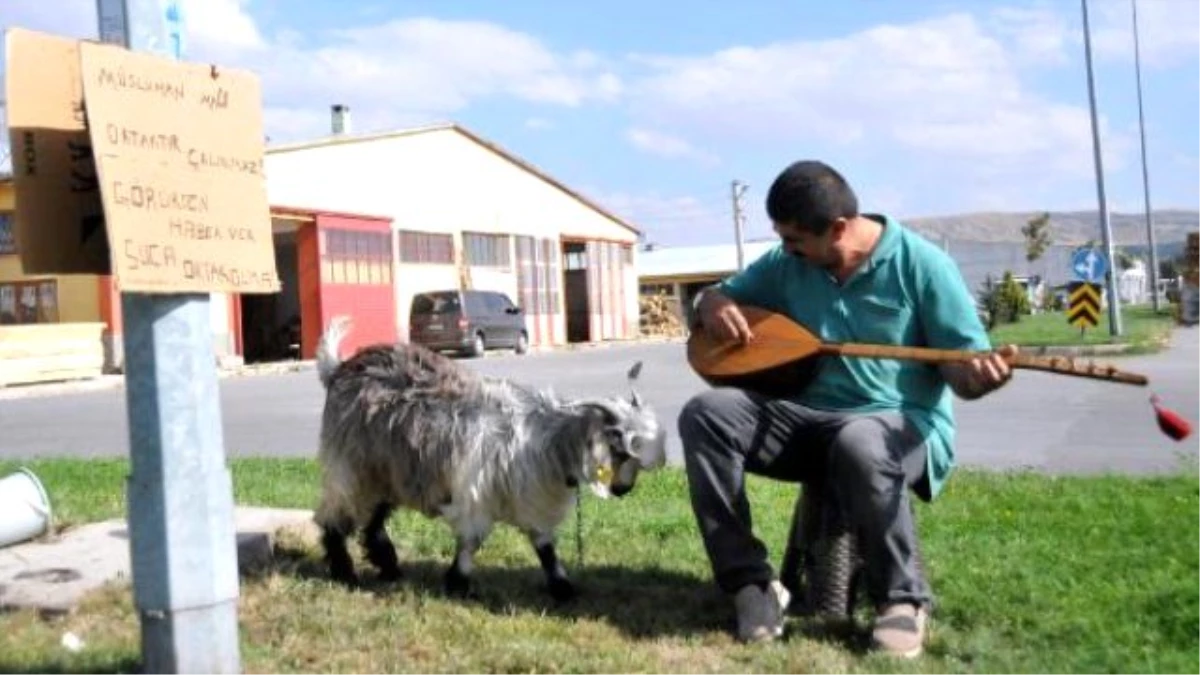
(1143, 329)
(1032, 574)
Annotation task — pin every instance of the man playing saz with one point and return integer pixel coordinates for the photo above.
(868, 429)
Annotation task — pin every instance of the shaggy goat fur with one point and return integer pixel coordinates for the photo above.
(404, 427)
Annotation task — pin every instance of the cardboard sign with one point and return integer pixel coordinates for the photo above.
(59, 220)
(179, 148)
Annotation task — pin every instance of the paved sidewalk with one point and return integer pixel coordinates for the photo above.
(53, 573)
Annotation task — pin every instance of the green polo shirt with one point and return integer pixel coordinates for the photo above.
(908, 292)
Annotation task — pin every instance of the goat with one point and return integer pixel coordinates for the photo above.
(405, 427)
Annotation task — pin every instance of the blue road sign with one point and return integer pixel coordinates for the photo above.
(1089, 265)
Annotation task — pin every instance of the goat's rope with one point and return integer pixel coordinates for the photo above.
(578, 526)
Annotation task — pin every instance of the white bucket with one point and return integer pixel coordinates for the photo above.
(24, 508)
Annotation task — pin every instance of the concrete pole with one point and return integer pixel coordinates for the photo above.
(1150, 239)
(183, 539)
(1114, 300)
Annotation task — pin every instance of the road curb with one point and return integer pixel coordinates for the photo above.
(1075, 350)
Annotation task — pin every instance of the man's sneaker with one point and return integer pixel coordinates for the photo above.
(760, 611)
(900, 630)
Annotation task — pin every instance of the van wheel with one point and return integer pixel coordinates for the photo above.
(478, 345)
(522, 345)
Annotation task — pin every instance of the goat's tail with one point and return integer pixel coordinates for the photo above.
(327, 350)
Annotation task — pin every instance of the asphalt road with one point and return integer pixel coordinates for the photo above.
(1042, 421)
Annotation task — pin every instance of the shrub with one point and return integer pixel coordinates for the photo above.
(1005, 302)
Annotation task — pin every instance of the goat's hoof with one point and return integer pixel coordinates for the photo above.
(563, 590)
(347, 579)
(390, 574)
(457, 584)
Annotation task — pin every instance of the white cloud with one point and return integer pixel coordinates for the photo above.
(417, 70)
(1037, 35)
(443, 64)
(666, 145)
(1168, 30)
(537, 123)
(676, 219)
(222, 26)
(943, 95)
(394, 73)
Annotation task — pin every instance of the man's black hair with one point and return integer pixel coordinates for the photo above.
(810, 195)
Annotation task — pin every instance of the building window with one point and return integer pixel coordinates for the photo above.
(627, 254)
(29, 302)
(486, 250)
(8, 239)
(357, 257)
(426, 247)
(575, 257)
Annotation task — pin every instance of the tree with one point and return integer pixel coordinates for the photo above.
(1168, 268)
(1037, 236)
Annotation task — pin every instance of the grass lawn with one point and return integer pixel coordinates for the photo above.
(1032, 574)
(1143, 329)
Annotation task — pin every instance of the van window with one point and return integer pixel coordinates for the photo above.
(435, 303)
(499, 302)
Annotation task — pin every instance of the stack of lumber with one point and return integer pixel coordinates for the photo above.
(660, 316)
(48, 352)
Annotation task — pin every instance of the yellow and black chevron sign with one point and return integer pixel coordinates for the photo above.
(1083, 305)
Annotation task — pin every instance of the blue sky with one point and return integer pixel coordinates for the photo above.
(652, 108)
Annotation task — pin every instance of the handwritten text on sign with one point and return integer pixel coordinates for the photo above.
(179, 148)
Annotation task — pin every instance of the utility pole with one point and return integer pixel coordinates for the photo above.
(182, 535)
(1114, 309)
(737, 190)
(1137, 67)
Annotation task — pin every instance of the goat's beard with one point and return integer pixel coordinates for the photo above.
(600, 489)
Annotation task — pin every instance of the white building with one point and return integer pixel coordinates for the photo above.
(464, 212)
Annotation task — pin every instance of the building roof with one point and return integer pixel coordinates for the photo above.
(719, 259)
(339, 139)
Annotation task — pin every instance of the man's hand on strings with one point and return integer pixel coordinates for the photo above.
(721, 317)
(982, 375)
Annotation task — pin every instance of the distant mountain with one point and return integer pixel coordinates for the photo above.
(1067, 227)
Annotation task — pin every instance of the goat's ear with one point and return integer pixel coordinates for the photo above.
(635, 371)
(635, 400)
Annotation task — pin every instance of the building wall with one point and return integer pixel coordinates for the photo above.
(439, 181)
(90, 298)
(77, 297)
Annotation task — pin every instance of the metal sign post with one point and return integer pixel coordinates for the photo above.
(1083, 303)
(180, 500)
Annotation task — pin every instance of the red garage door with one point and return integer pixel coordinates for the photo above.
(356, 277)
